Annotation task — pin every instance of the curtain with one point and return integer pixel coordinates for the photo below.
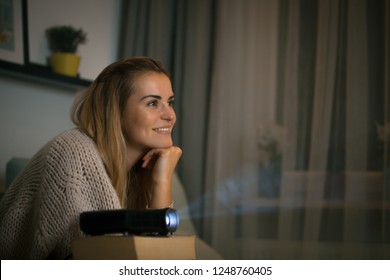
(297, 161)
(283, 117)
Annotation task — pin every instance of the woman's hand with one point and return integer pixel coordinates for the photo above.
(161, 164)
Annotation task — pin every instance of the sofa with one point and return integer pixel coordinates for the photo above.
(203, 250)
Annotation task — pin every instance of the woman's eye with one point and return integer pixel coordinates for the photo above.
(171, 102)
(152, 103)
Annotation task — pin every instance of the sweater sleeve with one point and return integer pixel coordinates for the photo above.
(39, 214)
(73, 181)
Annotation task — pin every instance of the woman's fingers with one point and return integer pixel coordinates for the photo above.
(147, 159)
(162, 159)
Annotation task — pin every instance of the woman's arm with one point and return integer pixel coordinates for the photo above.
(161, 164)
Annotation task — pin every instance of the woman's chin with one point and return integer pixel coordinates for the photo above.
(163, 145)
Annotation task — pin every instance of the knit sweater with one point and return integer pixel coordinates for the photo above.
(39, 214)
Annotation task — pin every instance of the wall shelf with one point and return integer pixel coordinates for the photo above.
(42, 74)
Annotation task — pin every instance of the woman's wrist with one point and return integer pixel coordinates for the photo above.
(169, 206)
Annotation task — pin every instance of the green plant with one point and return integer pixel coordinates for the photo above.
(65, 38)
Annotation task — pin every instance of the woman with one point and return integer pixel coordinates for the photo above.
(120, 155)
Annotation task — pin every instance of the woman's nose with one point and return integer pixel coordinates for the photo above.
(168, 114)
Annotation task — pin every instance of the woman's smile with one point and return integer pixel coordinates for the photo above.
(164, 130)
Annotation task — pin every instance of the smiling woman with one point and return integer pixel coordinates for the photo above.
(120, 155)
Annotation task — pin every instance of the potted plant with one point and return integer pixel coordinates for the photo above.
(63, 42)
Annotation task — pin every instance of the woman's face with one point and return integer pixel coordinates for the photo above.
(149, 114)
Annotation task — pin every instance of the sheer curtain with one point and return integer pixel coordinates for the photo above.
(297, 154)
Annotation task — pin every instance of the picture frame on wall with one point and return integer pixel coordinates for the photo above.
(13, 43)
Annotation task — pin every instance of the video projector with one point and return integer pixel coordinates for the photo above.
(140, 222)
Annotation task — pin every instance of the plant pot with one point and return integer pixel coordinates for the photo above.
(65, 63)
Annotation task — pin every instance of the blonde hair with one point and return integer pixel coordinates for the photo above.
(99, 110)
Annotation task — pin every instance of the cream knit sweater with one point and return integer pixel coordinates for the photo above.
(39, 214)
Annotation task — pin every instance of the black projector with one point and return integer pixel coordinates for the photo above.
(138, 222)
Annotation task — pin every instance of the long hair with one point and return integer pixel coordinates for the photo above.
(99, 112)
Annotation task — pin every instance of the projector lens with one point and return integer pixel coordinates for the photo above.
(172, 220)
